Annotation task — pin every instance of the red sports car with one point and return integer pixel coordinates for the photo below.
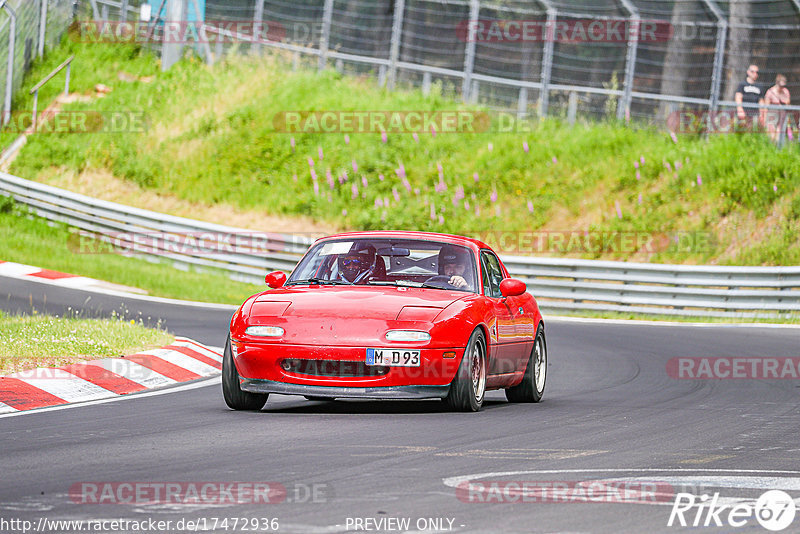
(388, 315)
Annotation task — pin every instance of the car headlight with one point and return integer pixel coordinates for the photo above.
(407, 335)
(264, 331)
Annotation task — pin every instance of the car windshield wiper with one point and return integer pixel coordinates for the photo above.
(320, 281)
(398, 283)
(434, 286)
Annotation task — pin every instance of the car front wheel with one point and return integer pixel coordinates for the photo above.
(235, 398)
(469, 385)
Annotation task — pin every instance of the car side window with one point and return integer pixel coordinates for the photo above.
(492, 274)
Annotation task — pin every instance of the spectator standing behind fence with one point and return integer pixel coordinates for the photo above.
(777, 95)
(749, 92)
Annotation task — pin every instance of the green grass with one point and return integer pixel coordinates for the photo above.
(211, 139)
(33, 241)
(31, 341)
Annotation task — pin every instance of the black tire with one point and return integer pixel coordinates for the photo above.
(235, 398)
(531, 389)
(469, 385)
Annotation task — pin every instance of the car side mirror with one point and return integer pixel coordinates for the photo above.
(511, 287)
(275, 279)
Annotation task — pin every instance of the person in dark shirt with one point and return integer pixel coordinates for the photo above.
(749, 92)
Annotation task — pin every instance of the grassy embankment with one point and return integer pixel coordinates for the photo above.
(31, 341)
(211, 143)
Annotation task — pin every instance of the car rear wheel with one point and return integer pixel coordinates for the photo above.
(469, 385)
(235, 398)
(531, 388)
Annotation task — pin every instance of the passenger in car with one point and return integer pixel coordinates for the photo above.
(453, 263)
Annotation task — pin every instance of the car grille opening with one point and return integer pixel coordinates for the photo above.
(332, 368)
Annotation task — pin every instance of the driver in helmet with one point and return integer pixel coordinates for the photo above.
(453, 263)
(357, 264)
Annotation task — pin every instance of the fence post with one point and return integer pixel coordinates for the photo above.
(95, 10)
(469, 52)
(426, 83)
(572, 108)
(719, 53)
(12, 37)
(719, 57)
(123, 11)
(547, 60)
(171, 52)
(42, 26)
(522, 103)
(381, 75)
(327, 16)
(258, 22)
(397, 36)
(623, 108)
(202, 35)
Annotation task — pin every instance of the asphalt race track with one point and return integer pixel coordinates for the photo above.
(611, 412)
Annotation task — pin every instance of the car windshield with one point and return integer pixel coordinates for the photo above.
(389, 262)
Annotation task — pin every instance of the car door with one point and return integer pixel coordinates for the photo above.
(502, 332)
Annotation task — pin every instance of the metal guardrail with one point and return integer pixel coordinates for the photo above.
(557, 283)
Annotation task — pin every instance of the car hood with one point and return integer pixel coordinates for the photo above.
(371, 302)
(345, 316)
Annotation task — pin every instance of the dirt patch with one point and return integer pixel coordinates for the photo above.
(99, 183)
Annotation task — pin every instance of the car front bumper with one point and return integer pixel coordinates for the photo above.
(368, 392)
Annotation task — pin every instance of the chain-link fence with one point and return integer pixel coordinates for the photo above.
(37, 25)
(643, 59)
